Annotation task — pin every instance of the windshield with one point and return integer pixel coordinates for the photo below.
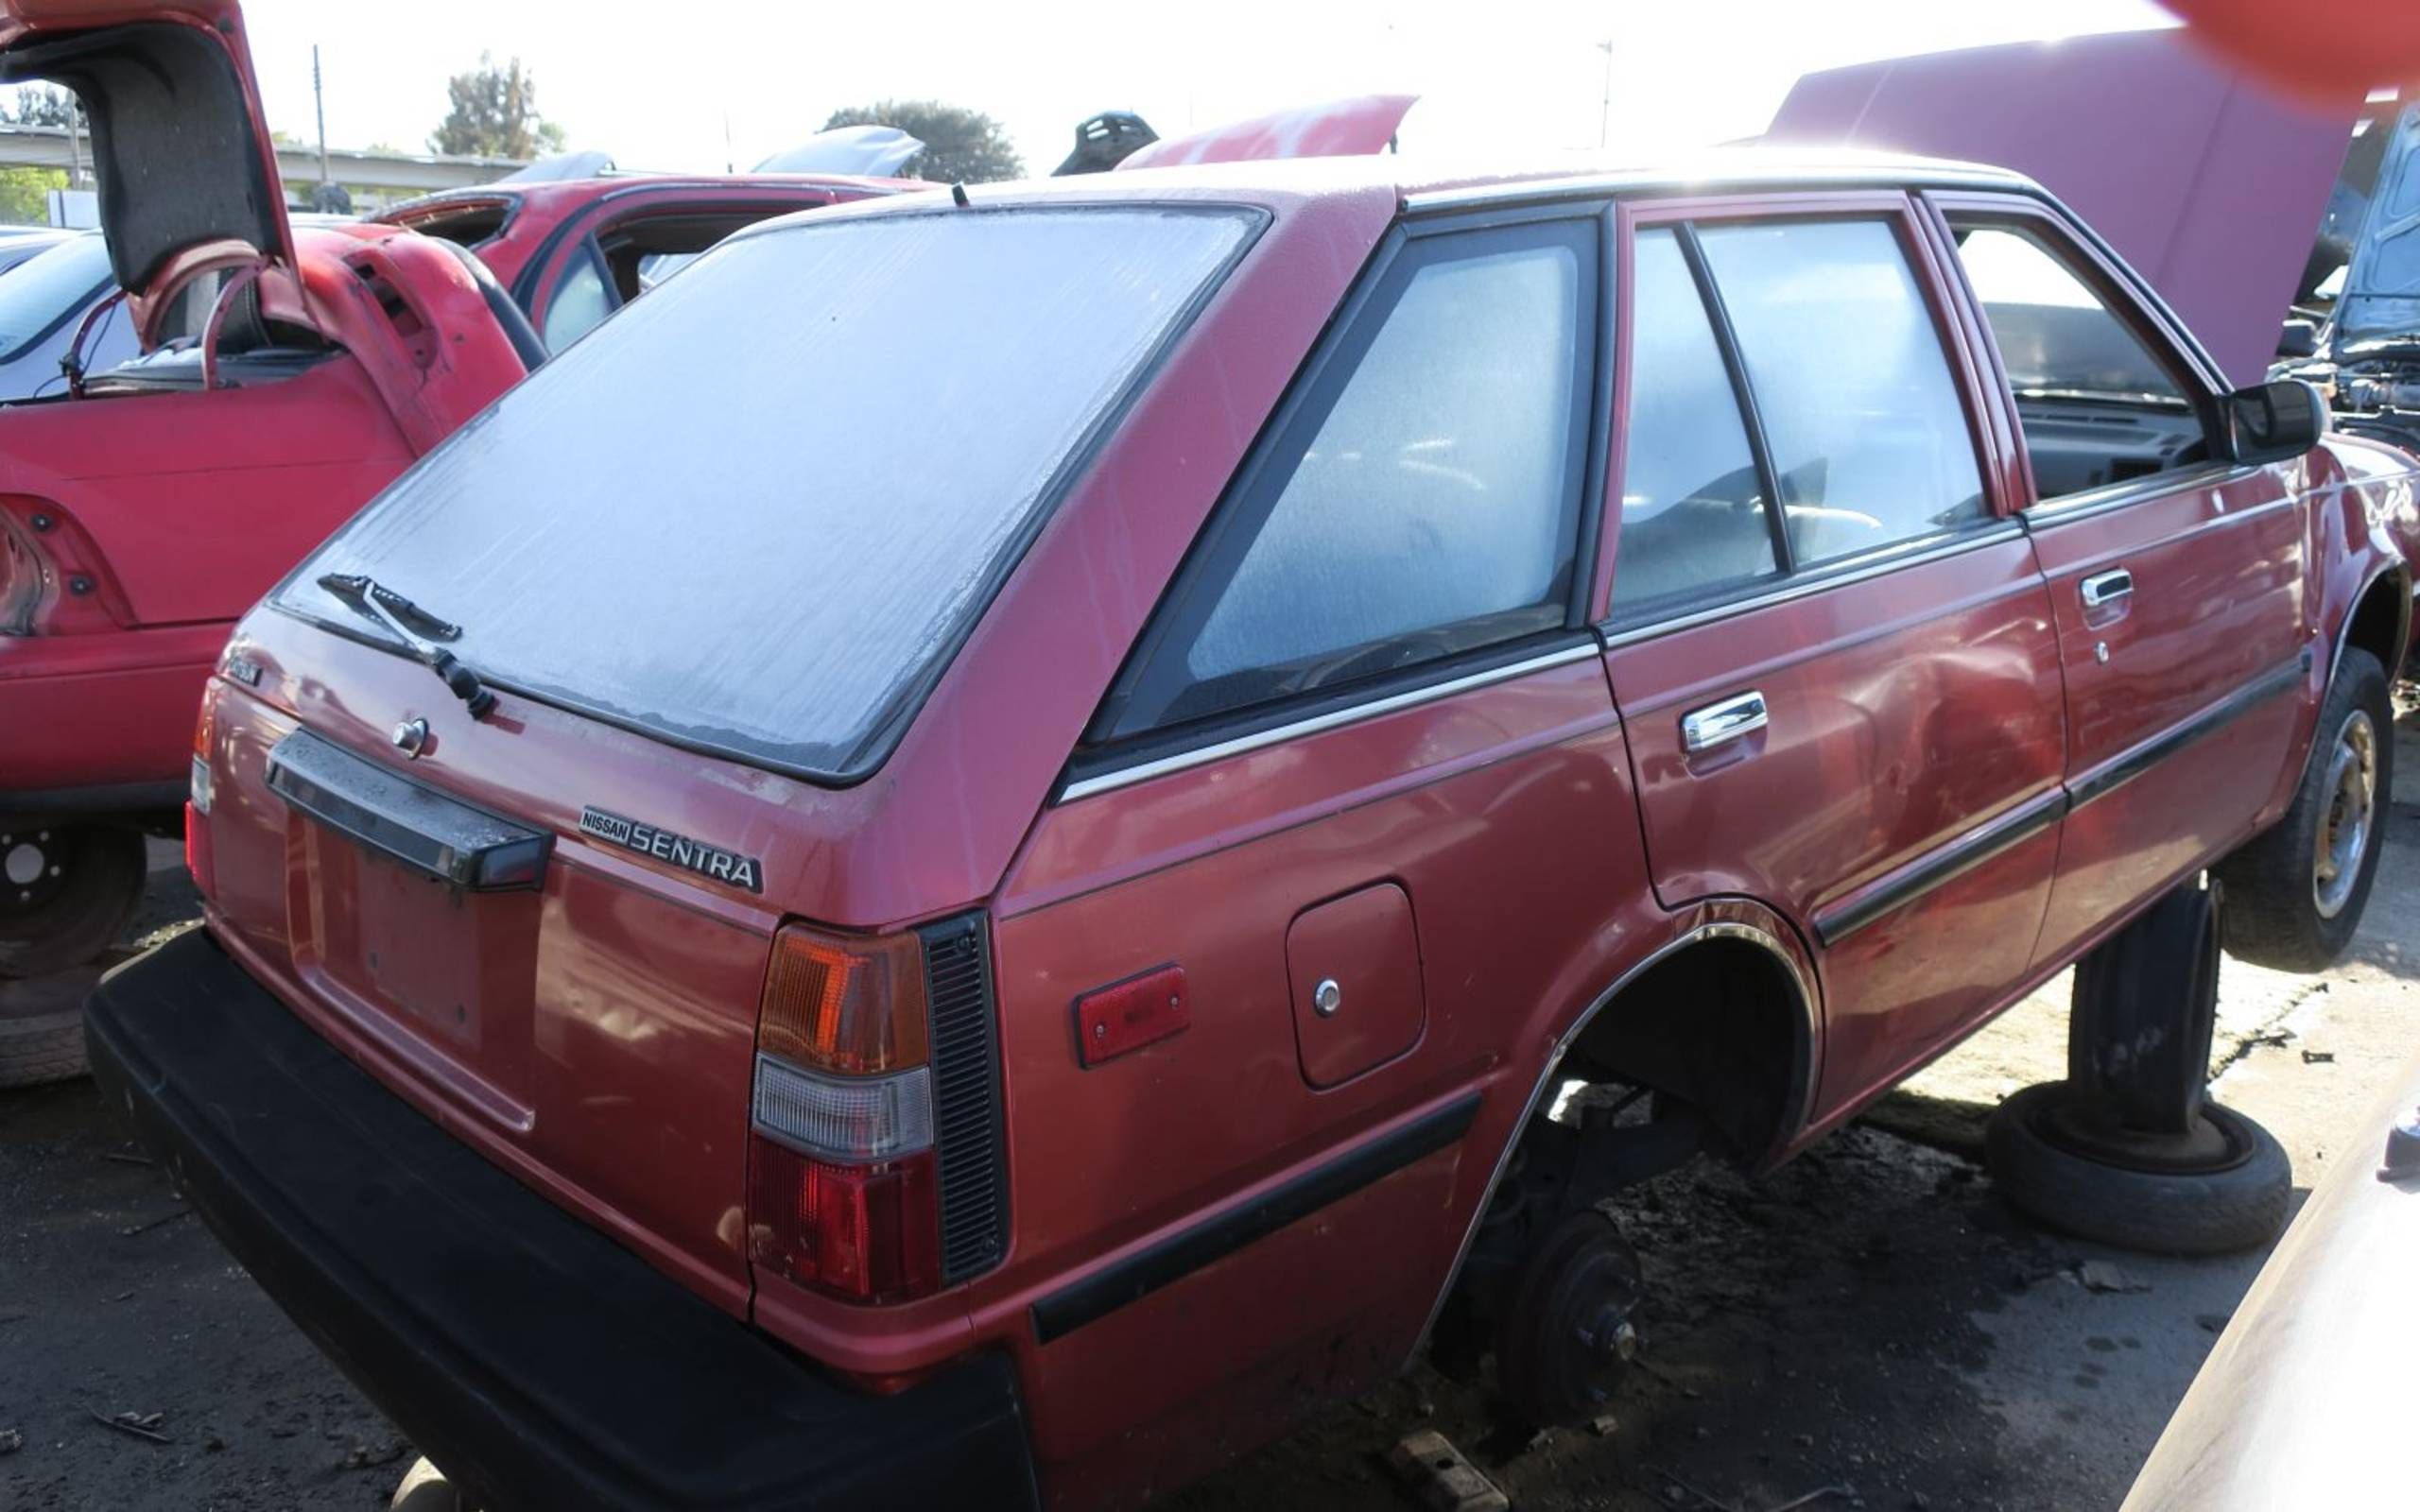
(756, 511)
(40, 293)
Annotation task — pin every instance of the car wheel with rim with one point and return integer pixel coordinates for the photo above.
(2295, 892)
(66, 889)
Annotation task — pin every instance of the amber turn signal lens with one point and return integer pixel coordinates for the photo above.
(855, 1007)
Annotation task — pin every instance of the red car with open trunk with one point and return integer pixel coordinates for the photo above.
(289, 374)
(967, 858)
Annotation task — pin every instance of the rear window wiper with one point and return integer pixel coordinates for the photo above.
(418, 630)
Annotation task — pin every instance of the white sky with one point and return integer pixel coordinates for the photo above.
(653, 85)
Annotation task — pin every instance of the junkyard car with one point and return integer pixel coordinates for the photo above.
(42, 306)
(572, 252)
(285, 374)
(985, 894)
(2299, 1403)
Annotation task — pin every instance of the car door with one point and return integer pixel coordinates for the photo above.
(1349, 814)
(1829, 642)
(2176, 576)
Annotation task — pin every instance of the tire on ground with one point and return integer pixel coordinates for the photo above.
(2273, 915)
(2239, 1206)
(46, 1048)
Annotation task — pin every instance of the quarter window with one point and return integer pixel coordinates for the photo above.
(1869, 441)
(1693, 509)
(1423, 502)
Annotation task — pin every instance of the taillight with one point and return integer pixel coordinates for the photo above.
(844, 1188)
(197, 797)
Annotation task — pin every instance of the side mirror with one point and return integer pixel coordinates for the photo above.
(2276, 421)
(2298, 340)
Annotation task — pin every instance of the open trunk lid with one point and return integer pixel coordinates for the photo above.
(1352, 127)
(185, 159)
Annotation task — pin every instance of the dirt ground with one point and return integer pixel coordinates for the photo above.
(1870, 1318)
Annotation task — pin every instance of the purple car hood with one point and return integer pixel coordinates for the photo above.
(2209, 183)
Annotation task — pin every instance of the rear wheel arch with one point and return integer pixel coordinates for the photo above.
(1730, 936)
(1724, 1020)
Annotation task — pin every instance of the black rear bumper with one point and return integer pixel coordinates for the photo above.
(538, 1363)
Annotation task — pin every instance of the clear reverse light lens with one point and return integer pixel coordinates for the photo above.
(200, 789)
(855, 1119)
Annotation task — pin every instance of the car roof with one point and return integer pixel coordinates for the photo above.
(1422, 182)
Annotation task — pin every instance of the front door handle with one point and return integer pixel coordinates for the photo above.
(1717, 723)
(2107, 587)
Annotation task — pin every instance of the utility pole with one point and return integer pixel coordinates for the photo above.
(1605, 105)
(319, 104)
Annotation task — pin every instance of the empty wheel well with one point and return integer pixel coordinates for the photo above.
(1719, 1026)
(2380, 622)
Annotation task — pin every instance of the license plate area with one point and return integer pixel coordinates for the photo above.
(403, 922)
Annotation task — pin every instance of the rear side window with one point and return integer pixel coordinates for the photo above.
(1423, 500)
(756, 511)
(1870, 442)
(1694, 514)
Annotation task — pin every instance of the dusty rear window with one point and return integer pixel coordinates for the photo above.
(756, 511)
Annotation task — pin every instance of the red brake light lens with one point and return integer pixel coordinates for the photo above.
(870, 1233)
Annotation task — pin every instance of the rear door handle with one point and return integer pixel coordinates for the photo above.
(1717, 723)
(2107, 587)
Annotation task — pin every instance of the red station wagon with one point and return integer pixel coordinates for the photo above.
(967, 858)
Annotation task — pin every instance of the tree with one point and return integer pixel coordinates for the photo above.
(25, 195)
(494, 115)
(960, 145)
(40, 105)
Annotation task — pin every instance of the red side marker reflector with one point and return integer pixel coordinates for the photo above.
(1129, 1015)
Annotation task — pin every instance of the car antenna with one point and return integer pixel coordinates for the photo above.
(957, 195)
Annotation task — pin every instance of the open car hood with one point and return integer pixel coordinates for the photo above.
(1340, 128)
(2381, 295)
(2209, 183)
(183, 158)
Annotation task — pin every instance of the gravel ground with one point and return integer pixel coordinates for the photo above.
(1869, 1319)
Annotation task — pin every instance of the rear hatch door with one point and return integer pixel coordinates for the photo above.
(708, 583)
(185, 163)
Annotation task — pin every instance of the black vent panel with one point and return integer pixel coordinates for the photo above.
(966, 1097)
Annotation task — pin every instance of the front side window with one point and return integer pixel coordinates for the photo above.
(1423, 503)
(2096, 406)
(756, 511)
(1868, 440)
(1694, 514)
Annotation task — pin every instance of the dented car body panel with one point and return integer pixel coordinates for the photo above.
(1861, 731)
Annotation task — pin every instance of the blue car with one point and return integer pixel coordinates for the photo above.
(43, 301)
